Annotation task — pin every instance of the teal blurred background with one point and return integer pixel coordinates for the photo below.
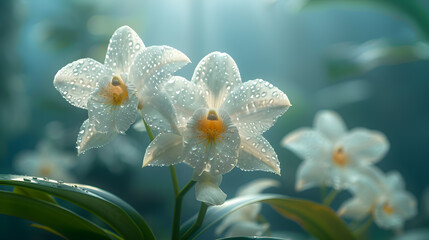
(367, 60)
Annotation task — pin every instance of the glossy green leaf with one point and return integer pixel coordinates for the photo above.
(115, 212)
(34, 194)
(55, 217)
(320, 221)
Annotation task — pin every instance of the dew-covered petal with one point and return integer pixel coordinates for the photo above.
(207, 188)
(218, 74)
(108, 117)
(89, 137)
(159, 112)
(216, 157)
(153, 67)
(308, 144)
(247, 228)
(330, 124)
(77, 80)
(123, 47)
(257, 186)
(186, 97)
(256, 153)
(364, 146)
(165, 149)
(310, 174)
(255, 105)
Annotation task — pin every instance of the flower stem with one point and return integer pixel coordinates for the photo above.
(148, 130)
(175, 182)
(322, 192)
(328, 200)
(197, 224)
(175, 232)
(360, 231)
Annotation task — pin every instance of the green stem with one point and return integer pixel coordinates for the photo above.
(175, 232)
(175, 182)
(197, 224)
(148, 130)
(328, 200)
(322, 192)
(360, 231)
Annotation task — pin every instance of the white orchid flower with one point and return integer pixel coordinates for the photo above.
(383, 196)
(216, 121)
(332, 155)
(244, 221)
(113, 92)
(395, 204)
(46, 161)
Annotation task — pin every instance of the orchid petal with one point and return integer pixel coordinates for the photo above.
(364, 145)
(256, 153)
(164, 150)
(159, 113)
(218, 74)
(185, 96)
(330, 124)
(307, 144)
(153, 67)
(89, 137)
(207, 188)
(77, 80)
(255, 106)
(310, 174)
(123, 47)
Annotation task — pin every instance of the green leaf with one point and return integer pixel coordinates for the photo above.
(55, 217)
(115, 212)
(34, 194)
(320, 221)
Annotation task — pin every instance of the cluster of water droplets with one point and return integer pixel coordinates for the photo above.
(77, 80)
(255, 106)
(124, 46)
(218, 74)
(154, 65)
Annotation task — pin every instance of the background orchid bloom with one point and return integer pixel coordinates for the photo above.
(114, 91)
(46, 161)
(383, 196)
(244, 221)
(395, 204)
(332, 155)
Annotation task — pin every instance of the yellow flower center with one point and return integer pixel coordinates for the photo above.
(339, 157)
(45, 170)
(115, 92)
(210, 129)
(388, 209)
